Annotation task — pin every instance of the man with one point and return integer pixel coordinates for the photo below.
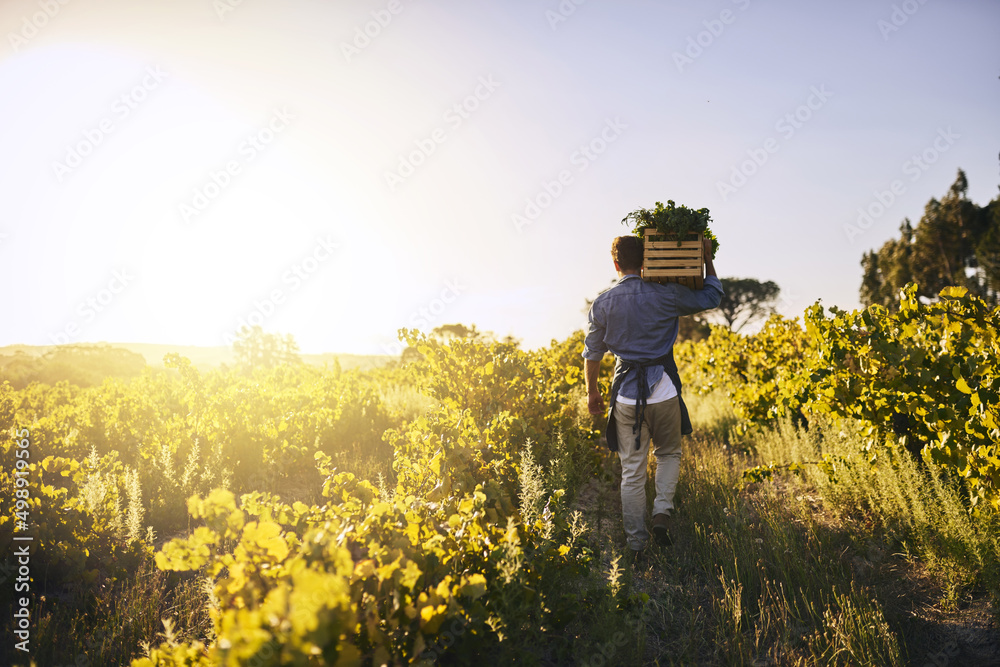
(637, 321)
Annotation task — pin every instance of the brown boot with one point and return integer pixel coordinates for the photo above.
(661, 529)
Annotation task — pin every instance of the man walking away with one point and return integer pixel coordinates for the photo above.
(637, 322)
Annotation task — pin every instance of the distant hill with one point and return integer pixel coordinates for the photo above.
(204, 358)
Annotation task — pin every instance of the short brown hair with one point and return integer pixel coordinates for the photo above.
(627, 251)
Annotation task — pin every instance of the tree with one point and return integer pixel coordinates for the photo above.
(745, 300)
(888, 270)
(256, 349)
(410, 355)
(82, 364)
(448, 331)
(955, 243)
(988, 252)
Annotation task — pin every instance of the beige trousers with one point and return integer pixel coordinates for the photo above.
(662, 425)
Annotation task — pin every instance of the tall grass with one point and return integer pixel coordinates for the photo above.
(111, 627)
(404, 402)
(897, 503)
(777, 590)
(755, 576)
(805, 569)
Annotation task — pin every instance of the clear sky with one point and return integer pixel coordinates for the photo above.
(338, 170)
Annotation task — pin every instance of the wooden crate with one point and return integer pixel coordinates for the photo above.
(664, 262)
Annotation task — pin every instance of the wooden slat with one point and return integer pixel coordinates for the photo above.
(664, 256)
(666, 263)
(689, 259)
(681, 254)
(655, 232)
(676, 252)
(695, 282)
(671, 272)
(671, 245)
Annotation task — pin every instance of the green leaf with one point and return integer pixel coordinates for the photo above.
(473, 585)
(953, 292)
(265, 537)
(411, 573)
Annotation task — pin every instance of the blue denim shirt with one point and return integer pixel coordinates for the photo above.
(637, 320)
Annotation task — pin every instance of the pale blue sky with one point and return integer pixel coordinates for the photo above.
(309, 235)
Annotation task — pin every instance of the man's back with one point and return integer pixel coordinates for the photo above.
(637, 320)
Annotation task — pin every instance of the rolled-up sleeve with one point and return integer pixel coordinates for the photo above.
(691, 301)
(594, 346)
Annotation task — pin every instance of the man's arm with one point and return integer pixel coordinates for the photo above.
(690, 301)
(595, 402)
(594, 350)
(709, 266)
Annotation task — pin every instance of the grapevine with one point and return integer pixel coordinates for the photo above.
(441, 559)
(925, 379)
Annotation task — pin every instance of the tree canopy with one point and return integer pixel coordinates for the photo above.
(256, 349)
(955, 243)
(745, 300)
(82, 364)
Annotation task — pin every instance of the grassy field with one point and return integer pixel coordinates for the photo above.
(881, 567)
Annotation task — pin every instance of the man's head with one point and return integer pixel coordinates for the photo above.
(626, 251)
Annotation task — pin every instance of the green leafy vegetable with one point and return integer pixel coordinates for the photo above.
(672, 219)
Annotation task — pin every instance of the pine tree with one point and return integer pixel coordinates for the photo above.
(955, 243)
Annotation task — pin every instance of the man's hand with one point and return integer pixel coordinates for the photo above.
(595, 402)
(708, 248)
